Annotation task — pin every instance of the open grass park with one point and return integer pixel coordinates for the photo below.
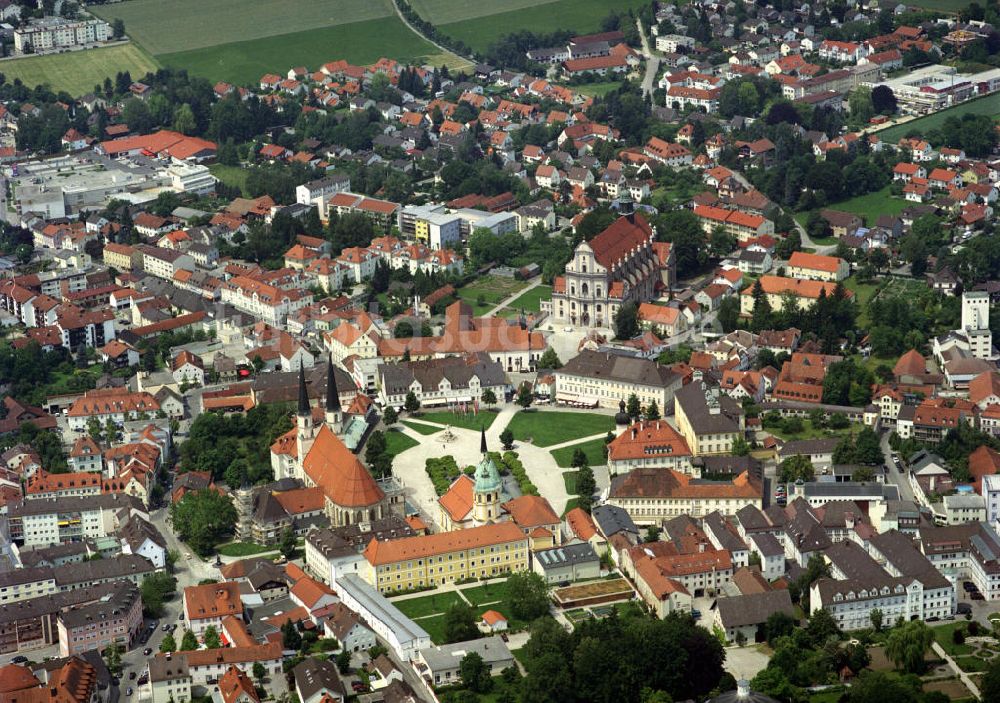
(549, 428)
(396, 442)
(77, 72)
(468, 421)
(593, 449)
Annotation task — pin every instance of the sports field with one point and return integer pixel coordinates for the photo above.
(990, 105)
(360, 43)
(493, 19)
(182, 25)
(77, 72)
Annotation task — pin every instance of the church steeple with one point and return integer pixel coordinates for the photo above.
(482, 440)
(333, 409)
(487, 487)
(303, 394)
(305, 432)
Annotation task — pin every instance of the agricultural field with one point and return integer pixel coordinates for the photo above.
(990, 105)
(360, 43)
(183, 25)
(481, 24)
(953, 6)
(77, 72)
(241, 40)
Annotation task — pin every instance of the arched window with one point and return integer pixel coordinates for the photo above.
(584, 288)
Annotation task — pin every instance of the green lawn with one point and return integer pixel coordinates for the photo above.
(244, 62)
(182, 25)
(989, 105)
(492, 290)
(468, 421)
(421, 428)
(479, 596)
(808, 432)
(569, 480)
(434, 627)
(396, 442)
(943, 636)
(77, 72)
(547, 428)
(596, 89)
(872, 205)
(970, 664)
(530, 300)
(493, 597)
(594, 449)
(433, 604)
(233, 176)
(863, 293)
(244, 549)
(483, 23)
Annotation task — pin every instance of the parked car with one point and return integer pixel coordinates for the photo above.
(695, 613)
(19, 659)
(128, 691)
(964, 609)
(147, 651)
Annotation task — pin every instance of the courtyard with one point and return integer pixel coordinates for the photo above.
(555, 428)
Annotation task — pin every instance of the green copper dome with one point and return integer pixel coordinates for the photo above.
(487, 475)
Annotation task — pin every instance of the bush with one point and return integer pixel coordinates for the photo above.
(973, 628)
(957, 636)
(516, 468)
(442, 470)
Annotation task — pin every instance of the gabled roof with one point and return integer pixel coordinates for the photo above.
(339, 473)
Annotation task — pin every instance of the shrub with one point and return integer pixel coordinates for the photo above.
(957, 636)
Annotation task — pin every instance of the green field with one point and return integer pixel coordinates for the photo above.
(491, 289)
(530, 300)
(233, 176)
(596, 89)
(434, 604)
(244, 549)
(422, 428)
(182, 25)
(872, 205)
(360, 43)
(594, 449)
(77, 72)
(487, 21)
(396, 442)
(548, 428)
(954, 6)
(989, 105)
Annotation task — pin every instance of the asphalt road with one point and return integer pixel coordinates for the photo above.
(892, 475)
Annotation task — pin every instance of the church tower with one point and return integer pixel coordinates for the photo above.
(306, 433)
(486, 491)
(334, 417)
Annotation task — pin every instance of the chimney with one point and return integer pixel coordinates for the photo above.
(633, 433)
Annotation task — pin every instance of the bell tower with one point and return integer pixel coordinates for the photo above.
(303, 423)
(333, 415)
(486, 491)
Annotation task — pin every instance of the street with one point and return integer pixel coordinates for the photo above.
(892, 475)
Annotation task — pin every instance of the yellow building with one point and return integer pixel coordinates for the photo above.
(778, 290)
(709, 421)
(431, 560)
